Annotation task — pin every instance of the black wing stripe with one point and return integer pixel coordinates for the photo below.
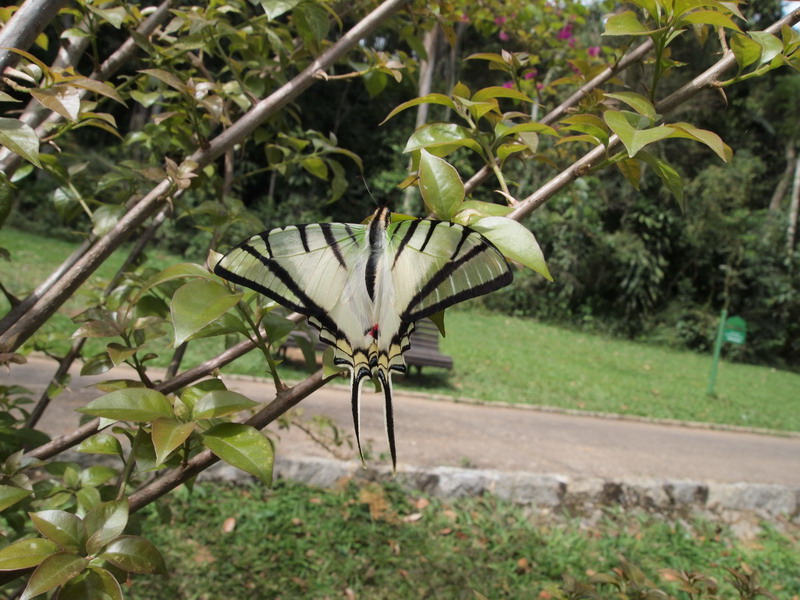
(446, 271)
(349, 231)
(429, 234)
(327, 233)
(264, 235)
(412, 227)
(307, 307)
(301, 229)
(465, 233)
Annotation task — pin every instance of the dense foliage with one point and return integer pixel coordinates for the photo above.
(217, 116)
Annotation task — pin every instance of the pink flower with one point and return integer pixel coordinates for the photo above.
(530, 74)
(500, 21)
(540, 86)
(508, 84)
(504, 37)
(565, 32)
(464, 18)
(594, 51)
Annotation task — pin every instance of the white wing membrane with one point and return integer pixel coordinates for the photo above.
(364, 286)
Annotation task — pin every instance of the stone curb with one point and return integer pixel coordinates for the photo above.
(543, 490)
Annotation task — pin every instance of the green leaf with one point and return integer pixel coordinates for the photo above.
(60, 527)
(472, 210)
(167, 435)
(429, 99)
(190, 395)
(637, 102)
(198, 303)
(166, 77)
(135, 555)
(275, 8)
(316, 166)
(25, 554)
(669, 176)
(709, 138)
(447, 136)
(119, 353)
(745, 50)
(625, 23)
(506, 150)
(101, 443)
(105, 218)
(243, 447)
(97, 475)
(104, 523)
(708, 17)
(220, 403)
(634, 139)
(440, 186)
(130, 404)
(277, 327)
(97, 364)
(94, 584)
(54, 571)
(771, 46)
(10, 495)
(632, 170)
(20, 139)
(499, 92)
(515, 241)
(61, 99)
(98, 87)
(178, 271)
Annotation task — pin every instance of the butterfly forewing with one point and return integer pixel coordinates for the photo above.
(438, 264)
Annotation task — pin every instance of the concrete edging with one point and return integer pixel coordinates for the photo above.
(543, 490)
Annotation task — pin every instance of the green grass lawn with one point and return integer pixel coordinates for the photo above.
(505, 359)
(381, 542)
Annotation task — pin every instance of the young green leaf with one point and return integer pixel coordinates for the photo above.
(515, 241)
(135, 555)
(441, 188)
(637, 102)
(21, 139)
(625, 23)
(97, 475)
(220, 403)
(104, 523)
(10, 495)
(243, 447)
(429, 99)
(94, 584)
(24, 554)
(55, 570)
(634, 139)
(745, 50)
(101, 443)
(499, 92)
(446, 136)
(130, 404)
(198, 303)
(167, 435)
(61, 527)
(709, 138)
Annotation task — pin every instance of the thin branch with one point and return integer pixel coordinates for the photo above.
(705, 80)
(559, 111)
(238, 132)
(24, 26)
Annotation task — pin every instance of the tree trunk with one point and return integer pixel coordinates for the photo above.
(794, 207)
(426, 69)
(783, 184)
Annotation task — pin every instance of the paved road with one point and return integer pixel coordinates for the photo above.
(432, 433)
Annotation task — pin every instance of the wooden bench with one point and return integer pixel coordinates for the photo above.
(424, 351)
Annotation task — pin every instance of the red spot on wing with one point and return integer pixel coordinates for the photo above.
(374, 331)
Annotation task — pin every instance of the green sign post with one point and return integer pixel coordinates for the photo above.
(733, 330)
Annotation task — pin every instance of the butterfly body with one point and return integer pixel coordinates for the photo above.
(363, 286)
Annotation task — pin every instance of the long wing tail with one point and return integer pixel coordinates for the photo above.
(388, 415)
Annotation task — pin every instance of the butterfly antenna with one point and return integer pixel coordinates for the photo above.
(366, 186)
